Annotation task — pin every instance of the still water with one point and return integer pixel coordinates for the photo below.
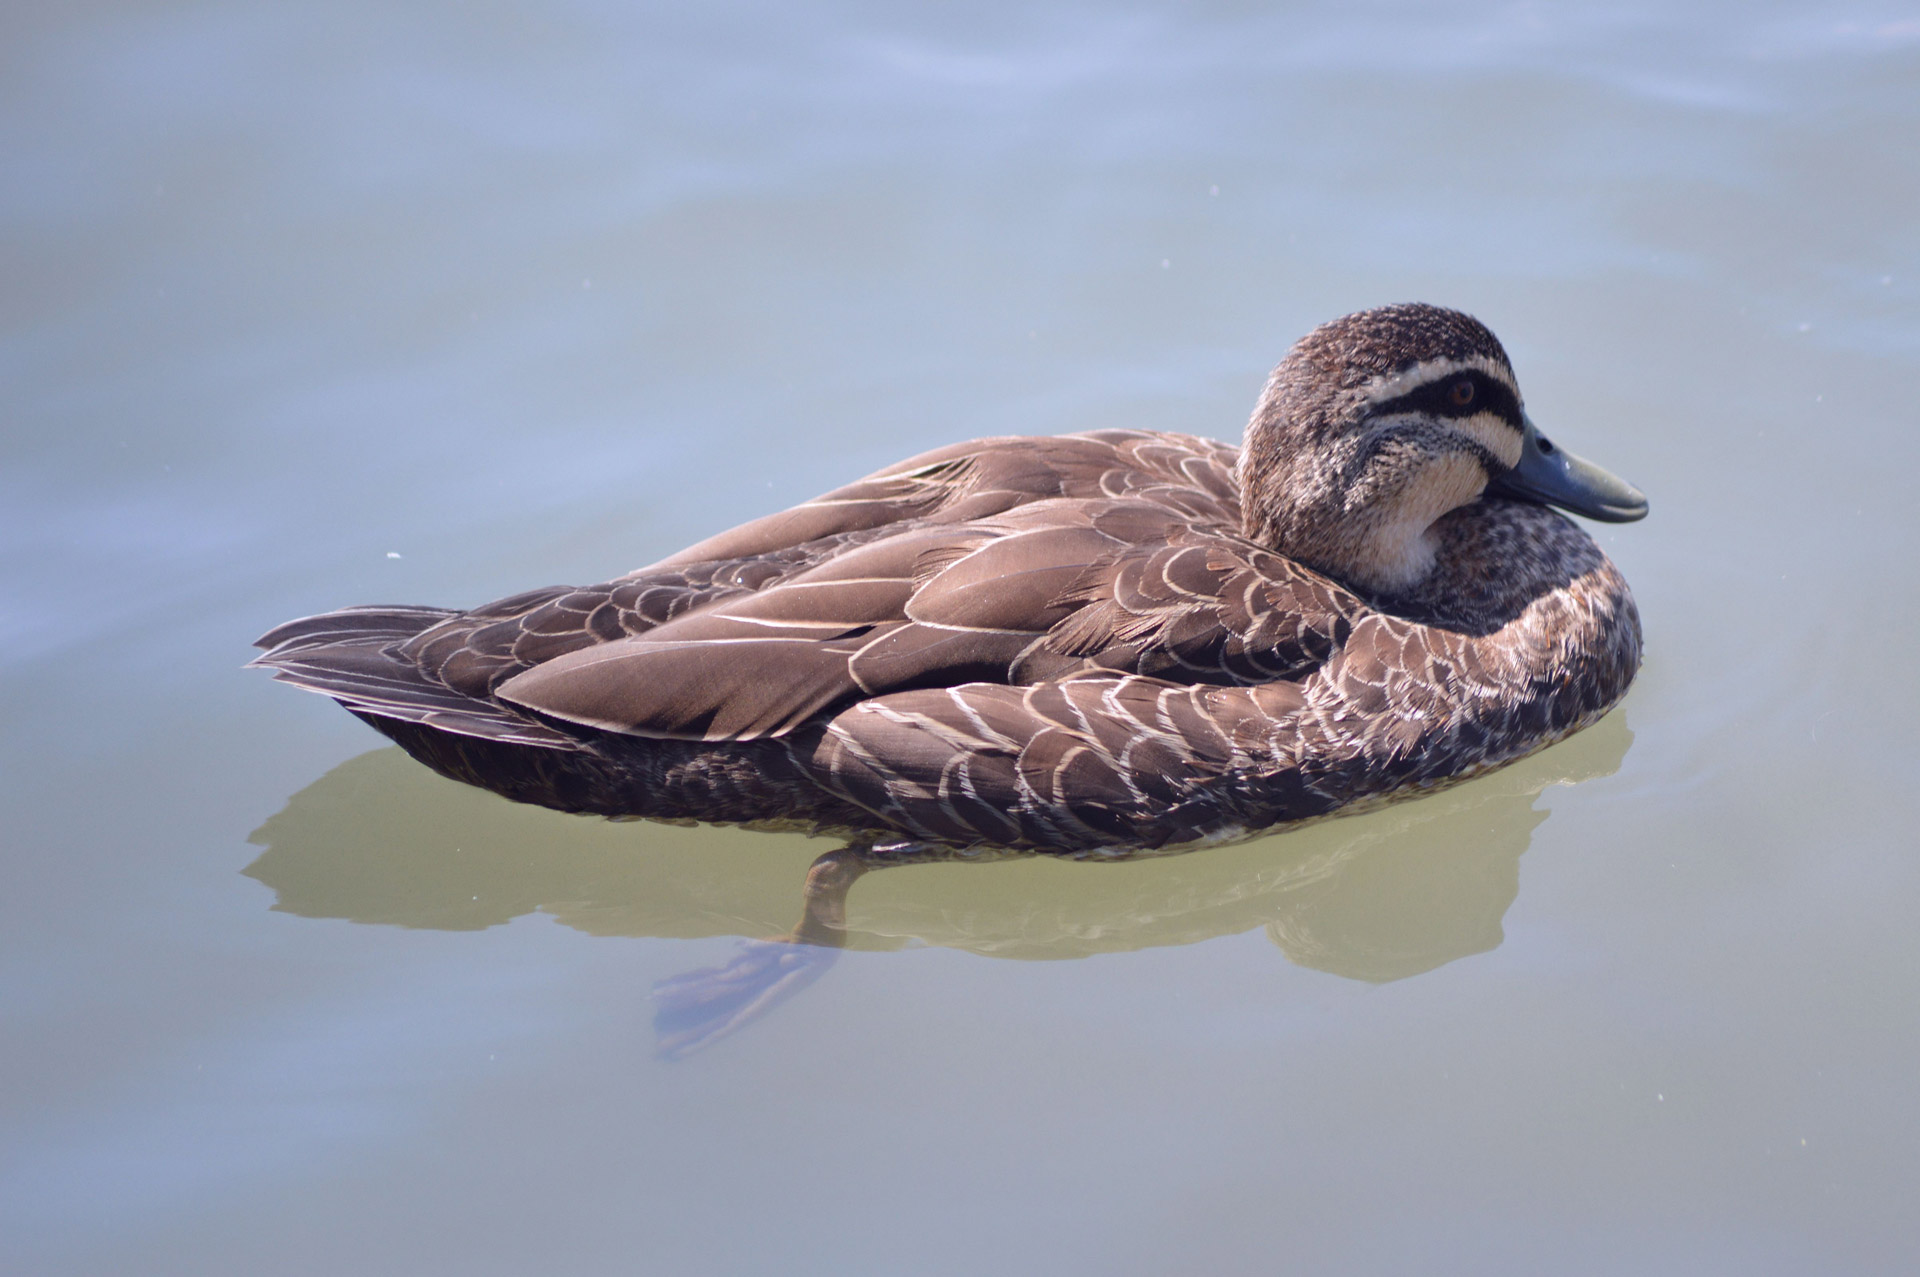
(308, 305)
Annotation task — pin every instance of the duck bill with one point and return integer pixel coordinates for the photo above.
(1553, 476)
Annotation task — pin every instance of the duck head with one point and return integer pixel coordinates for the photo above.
(1378, 424)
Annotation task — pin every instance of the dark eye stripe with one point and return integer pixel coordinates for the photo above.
(1434, 399)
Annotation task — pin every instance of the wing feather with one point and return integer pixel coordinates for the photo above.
(992, 562)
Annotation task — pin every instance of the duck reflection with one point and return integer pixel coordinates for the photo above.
(1376, 897)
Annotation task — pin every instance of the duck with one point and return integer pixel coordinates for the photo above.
(1107, 643)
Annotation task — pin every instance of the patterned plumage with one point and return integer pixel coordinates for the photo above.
(1113, 641)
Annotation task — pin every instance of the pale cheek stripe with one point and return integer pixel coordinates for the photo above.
(1410, 379)
(1491, 432)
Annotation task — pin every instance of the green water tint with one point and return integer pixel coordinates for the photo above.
(1378, 897)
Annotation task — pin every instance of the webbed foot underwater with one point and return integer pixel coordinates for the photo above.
(1116, 641)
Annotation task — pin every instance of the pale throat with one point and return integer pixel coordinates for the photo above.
(1395, 549)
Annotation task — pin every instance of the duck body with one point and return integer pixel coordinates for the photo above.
(1075, 644)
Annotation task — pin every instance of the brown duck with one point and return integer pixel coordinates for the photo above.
(1105, 642)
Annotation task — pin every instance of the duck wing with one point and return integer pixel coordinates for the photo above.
(950, 566)
(1053, 589)
(931, 605)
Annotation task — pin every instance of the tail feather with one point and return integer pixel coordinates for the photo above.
(350, 655)
(389, 622)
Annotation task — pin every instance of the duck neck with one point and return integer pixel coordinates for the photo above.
(1496, 559)
(1381, 535)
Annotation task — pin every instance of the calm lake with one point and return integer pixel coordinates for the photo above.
(307, 305)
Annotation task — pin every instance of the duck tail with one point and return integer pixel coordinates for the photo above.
(353, 656)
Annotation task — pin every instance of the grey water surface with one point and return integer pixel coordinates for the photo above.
(305, 305)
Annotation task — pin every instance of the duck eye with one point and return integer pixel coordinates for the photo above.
(1460, 393)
